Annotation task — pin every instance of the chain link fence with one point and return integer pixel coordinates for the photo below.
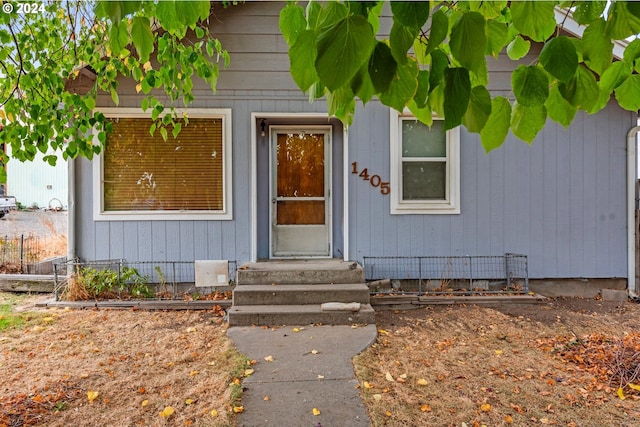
(448, 274)
(118, 279)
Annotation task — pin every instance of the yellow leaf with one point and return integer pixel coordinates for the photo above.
(189, 401)
(214, 412)
(248, 372)
(377, 397)
(138, 87)
(191, 329)
(296, 330)
(167, 412)
(485, 407)
(383, 332)
(266, 398)
(92, 395)
(388, 377)
(634, 386)
(422, 381)
(145, 403)
(147, 66)
(425, 408)
(498, 352)
(315, 411)
(620, 393)
(314, 351)
(403, 376)
(508, 419)
(238, 409)
(320, 377)
(269, 358)
(388, 413)
(367, 385)
(193, 373)
(47, 319)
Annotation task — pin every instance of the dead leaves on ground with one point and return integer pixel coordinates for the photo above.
(483, 367)
(23, 409)
(614, 363)
(148, 367)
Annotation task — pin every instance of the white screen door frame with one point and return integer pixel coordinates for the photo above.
(300, 192)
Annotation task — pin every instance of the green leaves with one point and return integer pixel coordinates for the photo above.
(468, 40)
(301, 54)
(534, 19)
(559, 58)
(142, 37)
(496, 129)
(457, 91)
(342, 49)
(530, 85)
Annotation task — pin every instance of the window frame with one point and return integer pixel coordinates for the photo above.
(451, 203)
(226, 213)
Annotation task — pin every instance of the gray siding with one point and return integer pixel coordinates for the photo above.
(561, 200)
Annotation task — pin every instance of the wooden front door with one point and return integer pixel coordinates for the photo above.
(300, 192)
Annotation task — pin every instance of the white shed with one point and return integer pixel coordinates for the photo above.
(36, 183)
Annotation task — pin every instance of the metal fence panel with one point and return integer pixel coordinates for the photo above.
(448, 274)
(168, 278)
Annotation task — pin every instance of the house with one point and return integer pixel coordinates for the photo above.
(272, 177)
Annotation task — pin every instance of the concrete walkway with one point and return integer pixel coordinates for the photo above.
(310, 369)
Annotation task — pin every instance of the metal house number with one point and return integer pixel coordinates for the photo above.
(374, 180)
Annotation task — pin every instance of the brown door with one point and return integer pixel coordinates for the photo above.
(300, 192)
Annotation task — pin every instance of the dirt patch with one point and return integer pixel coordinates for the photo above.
(521, 365)
(117, 367)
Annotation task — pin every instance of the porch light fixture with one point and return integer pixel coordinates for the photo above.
(263, 125)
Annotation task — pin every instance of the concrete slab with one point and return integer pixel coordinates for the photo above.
(311, 368)
(614, 295)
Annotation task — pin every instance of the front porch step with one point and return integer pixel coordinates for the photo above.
(304, 314)
(300, 294)
(300, 272)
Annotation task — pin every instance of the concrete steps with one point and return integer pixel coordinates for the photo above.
(293, 292)
(300, 294)
(302, 314)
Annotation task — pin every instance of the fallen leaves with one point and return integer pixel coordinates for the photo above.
(167, 412)
(92, 395)
(315, 411)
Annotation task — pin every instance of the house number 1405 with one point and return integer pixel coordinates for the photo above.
(374, 180)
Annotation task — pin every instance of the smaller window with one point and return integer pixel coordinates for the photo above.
(425, 167)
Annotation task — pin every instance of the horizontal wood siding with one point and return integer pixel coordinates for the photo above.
(561, 200)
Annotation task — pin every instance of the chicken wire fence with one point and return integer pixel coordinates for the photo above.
(162, 279)
(448, 274)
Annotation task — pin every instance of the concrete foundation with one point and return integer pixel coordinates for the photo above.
(584, 288)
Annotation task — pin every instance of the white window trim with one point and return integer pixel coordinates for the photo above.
(451, 203)
(99, 214)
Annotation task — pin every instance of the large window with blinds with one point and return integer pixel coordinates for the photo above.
(143, 176)
(425, 167)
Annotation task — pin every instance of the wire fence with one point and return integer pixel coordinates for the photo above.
(120, 278)
(448, 274)
(18, 251)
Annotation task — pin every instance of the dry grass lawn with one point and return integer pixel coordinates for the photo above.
(552, 364)
(530, 365)
(117, 368)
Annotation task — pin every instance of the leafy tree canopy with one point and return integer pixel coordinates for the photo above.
(46, 47)
(433, 61)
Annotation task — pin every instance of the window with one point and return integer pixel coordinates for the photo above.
(425, 167)
(141, 176)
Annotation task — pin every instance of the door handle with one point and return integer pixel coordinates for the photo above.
(273, 201)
